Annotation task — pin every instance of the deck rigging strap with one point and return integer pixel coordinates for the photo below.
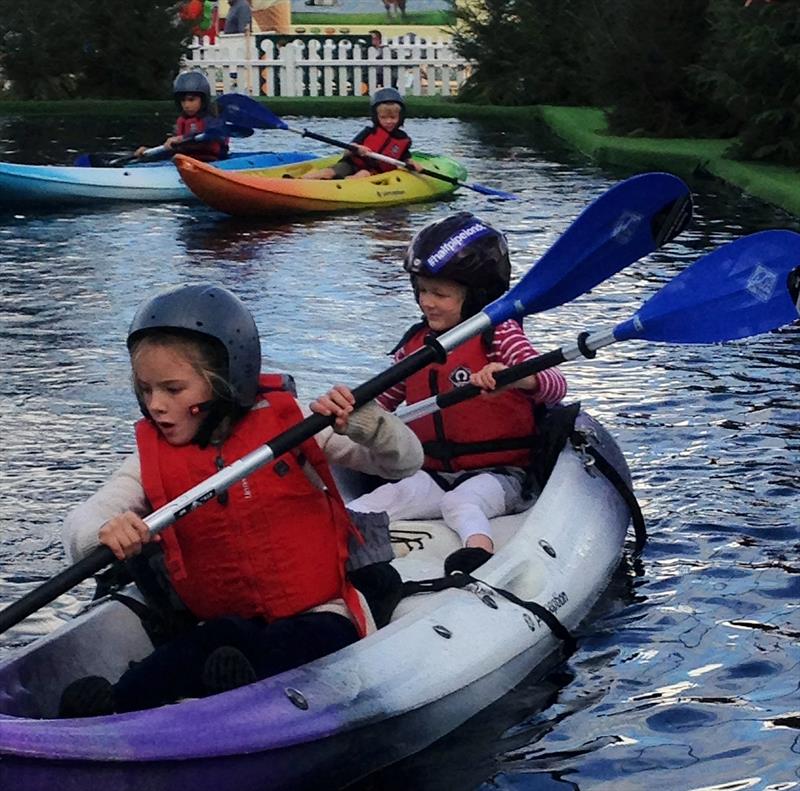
(604, 466)
(461, 580)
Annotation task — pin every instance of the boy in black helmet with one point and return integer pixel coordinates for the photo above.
(385, 136)
(477, 452)
(192, 94)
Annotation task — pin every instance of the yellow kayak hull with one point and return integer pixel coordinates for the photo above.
(282, 190)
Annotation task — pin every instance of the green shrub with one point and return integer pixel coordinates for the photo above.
(524, 51)
(641, 53)
(132, 50)
(751, 71)
(114, 49)
(40, 51)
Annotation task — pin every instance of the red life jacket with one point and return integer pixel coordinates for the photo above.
(395, 145)
(277, 546)
(205, 150)
(495, 431)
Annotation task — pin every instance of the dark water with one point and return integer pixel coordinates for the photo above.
(687, 675)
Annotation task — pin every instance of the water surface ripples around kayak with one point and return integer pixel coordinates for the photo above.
(687, 672)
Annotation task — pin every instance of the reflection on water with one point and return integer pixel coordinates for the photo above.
(686, 675)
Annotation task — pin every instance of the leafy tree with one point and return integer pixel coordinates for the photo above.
(525, 51)
(109, 49)
(40, 50)
(132, 50)
(751, 71)
(641, 52)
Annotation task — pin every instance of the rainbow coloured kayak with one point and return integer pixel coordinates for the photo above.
(58, 185)
(281, 190)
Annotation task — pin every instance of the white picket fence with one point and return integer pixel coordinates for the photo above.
(255, 65)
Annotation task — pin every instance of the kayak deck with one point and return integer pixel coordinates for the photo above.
(282, 190)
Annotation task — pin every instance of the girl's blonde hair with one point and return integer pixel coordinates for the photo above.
(206, 355)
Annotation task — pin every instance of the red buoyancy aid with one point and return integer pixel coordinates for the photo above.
(205, 150)
(277, 547)
(395, 145)
(496, 431)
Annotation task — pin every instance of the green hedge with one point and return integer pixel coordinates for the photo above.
(700, 68)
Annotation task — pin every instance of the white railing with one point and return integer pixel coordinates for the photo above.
(256, 65)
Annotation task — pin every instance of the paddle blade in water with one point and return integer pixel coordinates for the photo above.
(494, 193)
(629, 221)
(743, 288)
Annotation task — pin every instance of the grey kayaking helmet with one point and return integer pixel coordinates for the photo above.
(387, 96)
(465, 249)
(192, 82)
(215, 312)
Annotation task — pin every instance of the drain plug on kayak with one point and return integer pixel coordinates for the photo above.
(297, 697)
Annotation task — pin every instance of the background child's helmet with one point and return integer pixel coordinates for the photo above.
(215, 312)
(466, 249)
(192, 82)
(386, 96)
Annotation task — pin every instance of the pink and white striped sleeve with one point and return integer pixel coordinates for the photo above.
(392, 398)
(511, 347)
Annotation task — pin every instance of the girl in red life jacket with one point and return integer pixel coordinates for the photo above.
(475, 452)
(261, 568)
(384, 136)
(192, 94)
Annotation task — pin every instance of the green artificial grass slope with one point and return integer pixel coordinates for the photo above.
(585, 129)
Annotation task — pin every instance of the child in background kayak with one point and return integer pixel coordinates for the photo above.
(477, 452)
(192, 94)
(384, 137)
(260, 569)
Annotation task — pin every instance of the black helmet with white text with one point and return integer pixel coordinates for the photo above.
(466, 249)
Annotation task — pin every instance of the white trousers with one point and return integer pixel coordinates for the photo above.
(466, 509)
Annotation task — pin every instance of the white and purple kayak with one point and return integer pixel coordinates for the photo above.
(59, 185)
(444, 657)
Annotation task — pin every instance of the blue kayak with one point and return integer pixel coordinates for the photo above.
(158, 181)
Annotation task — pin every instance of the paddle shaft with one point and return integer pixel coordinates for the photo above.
(212, 487)
(585, 346)
(212, 133)
(380, 157)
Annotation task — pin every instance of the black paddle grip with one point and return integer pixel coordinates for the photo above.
(503, 378)
(96, 560)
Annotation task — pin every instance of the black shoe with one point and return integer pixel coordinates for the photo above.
(382, 587)
(90, 696)
(227, 668)
(465, 560)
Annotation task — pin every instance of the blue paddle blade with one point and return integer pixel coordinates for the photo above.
(743, 288)
(219, 128)
(627, 222)
(244, 110)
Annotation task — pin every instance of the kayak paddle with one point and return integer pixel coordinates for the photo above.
(215, 131)
(247, 111)
(625, 223)
(746, 287)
